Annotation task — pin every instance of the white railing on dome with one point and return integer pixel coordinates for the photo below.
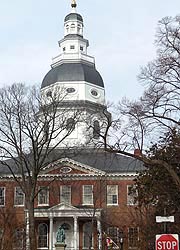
(72, 56)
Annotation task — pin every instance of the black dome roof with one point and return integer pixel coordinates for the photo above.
(73, 72)
(73, 16)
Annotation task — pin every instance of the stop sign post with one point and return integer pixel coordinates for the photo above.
(167, 242)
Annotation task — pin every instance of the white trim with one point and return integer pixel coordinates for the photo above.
(75, 165)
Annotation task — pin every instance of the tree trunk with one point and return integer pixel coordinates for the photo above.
(31, 236)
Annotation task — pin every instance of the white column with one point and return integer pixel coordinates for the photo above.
(27, 230)
(75, 233)
(51, 234)
(99, 234)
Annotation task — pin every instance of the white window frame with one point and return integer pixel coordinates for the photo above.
(3, 196)
(16, 197)
(87, 195)
(131, 197)
(66, 192)
(42, 188)
(111, 194)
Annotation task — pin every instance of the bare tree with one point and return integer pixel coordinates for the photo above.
(157, 111)
(31, 128)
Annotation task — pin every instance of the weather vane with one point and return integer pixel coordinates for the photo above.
(73, 3)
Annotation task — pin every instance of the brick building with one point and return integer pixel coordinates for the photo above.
(86, 192)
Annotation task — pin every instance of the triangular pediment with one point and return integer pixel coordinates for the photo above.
(67, 166)
(62, 206)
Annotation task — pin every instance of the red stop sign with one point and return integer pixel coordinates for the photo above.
(167, 242)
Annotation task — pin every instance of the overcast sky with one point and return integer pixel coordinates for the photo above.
(121, 36)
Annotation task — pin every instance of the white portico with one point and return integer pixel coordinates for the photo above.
(70, 218)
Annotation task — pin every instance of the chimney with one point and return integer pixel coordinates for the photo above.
(137, 152)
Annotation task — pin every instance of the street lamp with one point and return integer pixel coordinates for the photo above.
(121, 243)
(121, 240)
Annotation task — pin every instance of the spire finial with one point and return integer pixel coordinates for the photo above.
(73, 4)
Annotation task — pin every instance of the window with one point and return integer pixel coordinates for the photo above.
(49, 93)
(70, 125)
(131, 195)
(114, 233)
(94, 92)
(87, 235)
(67, 28)
(46, 130)
(64, 48)
(1, 236)
(70, 90)
(81, 48)
(72, 47)
(42, 235)
(18, 197)
(72, 27)
(2, 196)
(43, 196)
(96, 130)
(133, 237)
(79, 28)
(112, 194)
(19, 239)
(88, 195)
(65, 194)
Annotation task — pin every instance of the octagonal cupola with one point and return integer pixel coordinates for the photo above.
(73, 76)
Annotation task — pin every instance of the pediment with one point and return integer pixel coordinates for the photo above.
(62, 206)
(67, 166)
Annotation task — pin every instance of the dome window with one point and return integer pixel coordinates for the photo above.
(72, 47)
(70, 124)
(70, 90)
(96, 130)
(94, 92)
(64, 48)
(81, 48)
(49, 94)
